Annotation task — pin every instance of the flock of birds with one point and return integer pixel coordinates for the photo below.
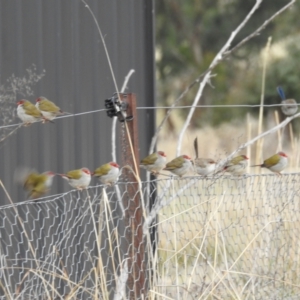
(39, 184)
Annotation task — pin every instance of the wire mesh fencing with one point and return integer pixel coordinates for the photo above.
(199, 238)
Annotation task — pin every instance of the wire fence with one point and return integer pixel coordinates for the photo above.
(203, 238)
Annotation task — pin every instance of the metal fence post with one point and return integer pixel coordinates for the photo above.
(136, 282)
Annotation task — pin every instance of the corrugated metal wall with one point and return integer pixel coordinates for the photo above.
(61, 38)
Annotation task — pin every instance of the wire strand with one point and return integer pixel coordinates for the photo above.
(160, 107)
(59, 117)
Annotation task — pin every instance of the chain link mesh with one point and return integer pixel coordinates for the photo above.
(217, 238)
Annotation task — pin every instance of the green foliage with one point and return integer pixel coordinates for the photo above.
(189, 34)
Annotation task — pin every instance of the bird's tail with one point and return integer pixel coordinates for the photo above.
(196, 147)
(64, 176)
(256, 166)
(65, 113)
(21, 174)
(281, 92)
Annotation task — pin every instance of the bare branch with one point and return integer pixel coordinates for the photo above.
(114, 123)
(259, 29)
(226, 54)
(217, 58)
(127, 80)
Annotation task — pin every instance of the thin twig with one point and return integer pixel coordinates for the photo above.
(104, 45)
(12, 132)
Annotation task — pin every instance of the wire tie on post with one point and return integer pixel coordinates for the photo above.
(117, 108)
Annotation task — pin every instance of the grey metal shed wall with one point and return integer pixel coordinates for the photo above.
(60, 37)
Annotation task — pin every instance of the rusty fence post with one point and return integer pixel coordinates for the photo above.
(136, 283)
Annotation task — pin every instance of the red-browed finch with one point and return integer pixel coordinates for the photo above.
(28, 113)
(179, 165)
(78, 179)
(237, 165)
(36, 184)
(48, 109)
(154, 162)
(276, 163)
(108, 173)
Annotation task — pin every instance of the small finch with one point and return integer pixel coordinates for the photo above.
(78, 179)
(179, 165)
(237, 165)
(108, 173)
(276, 163)
(36, 184)
(28, 113)
(48, 109)
(154, 162)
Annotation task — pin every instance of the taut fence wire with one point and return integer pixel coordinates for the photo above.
(222, 237)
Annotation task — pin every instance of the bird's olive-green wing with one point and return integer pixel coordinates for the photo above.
(31, 181)
(271, 161)
(174, 164)
(236, 160)
(149, 160)
(103, 170)
(75, 174)
(49, 106)
(30, 109)
(39, 190)
(42, 179)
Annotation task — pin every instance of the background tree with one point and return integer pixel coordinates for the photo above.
(189, 34)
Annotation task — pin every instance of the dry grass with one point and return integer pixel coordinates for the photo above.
(231, 238)
(227, 238)
(221, 238)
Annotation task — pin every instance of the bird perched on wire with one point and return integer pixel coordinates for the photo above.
(28, 113)
(276, 163)
(78, 179)
(48, 109)
(179, 165)
(289, 106)
(202, 166)
(108, 173)
(154, 162)
(237, 165)
(36, 184)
